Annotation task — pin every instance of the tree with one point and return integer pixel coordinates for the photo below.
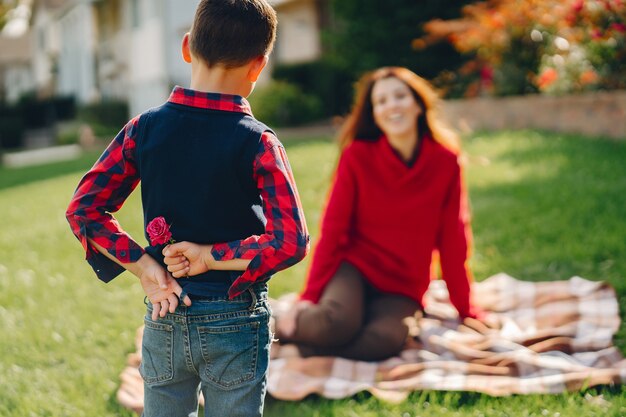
(367, 34)
(5, 7)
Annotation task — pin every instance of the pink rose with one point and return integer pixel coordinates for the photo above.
(159, 231)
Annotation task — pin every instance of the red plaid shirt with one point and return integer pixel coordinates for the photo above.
(106, 186)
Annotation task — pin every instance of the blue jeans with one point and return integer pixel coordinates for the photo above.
(217, 346)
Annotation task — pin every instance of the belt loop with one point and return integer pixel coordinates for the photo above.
(181, 298)
(254, 299)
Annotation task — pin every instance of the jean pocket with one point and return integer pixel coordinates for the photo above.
(230, 353)
(156, 352)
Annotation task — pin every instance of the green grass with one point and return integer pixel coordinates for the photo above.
(10, 177)
(545, 207)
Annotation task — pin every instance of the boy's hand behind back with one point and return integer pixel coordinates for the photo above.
(185, 259)
(162, 299)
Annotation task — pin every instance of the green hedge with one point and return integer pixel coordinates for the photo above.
(110, 114)
(330, 82)
(42, 113)
(32, 113)
(283, 104)
(11, 127)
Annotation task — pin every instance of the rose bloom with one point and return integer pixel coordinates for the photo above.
(158, 231)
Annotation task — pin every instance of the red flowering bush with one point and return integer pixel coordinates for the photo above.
(551, 46)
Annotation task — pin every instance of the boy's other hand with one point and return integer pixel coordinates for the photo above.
(185, 259)
(163, 299)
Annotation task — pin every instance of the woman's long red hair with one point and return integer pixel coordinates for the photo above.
(360, 125)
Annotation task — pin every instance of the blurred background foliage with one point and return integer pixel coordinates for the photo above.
(467, 48)
(360, 35)
(367, 34)
(529, 46)
(5, 7)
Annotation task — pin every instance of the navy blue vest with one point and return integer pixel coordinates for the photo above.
(196, 170)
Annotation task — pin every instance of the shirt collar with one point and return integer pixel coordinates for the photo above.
(211, 101)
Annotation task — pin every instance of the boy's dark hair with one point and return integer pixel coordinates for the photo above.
(232, 32)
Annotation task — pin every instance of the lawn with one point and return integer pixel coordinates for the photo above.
(545, 207)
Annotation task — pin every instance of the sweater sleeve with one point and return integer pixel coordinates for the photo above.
(453, 242)
(335, 230)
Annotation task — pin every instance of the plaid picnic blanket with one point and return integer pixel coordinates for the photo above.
(551, 337)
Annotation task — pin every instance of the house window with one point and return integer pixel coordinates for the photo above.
(41, 39)
(135, 13)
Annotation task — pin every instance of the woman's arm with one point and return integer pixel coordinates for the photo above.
(453, 242)
(335, 229)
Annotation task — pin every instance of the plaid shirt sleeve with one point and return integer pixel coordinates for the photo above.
(101, 192)
(286, 239)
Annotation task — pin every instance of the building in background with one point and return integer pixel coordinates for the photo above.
(128, 49)
(112, 49)
(15, 54)
(299, 30)
(16, 77)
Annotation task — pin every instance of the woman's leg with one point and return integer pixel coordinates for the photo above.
(337, 317)
(383, 334)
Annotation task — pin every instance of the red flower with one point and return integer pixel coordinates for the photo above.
(159, 231)
(588, 77)
(578, 6)
(547, 77)
(596, 33)
(486, 74)
(618, 27)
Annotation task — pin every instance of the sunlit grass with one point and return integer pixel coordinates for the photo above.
(545, 207)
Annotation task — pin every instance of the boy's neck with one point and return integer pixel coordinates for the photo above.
(218, 79)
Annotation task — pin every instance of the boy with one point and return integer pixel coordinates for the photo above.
(214, 175)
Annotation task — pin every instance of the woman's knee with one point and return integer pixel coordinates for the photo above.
(337, 326)
(391, 338)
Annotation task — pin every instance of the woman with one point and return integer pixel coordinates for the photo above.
(397, 196)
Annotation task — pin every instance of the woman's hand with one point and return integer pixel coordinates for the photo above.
(287, 322)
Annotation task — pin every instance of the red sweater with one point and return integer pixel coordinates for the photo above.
(387, 218)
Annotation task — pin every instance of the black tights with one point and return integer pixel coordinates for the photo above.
(353, 320)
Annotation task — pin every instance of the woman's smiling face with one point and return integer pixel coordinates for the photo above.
(395, 109)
